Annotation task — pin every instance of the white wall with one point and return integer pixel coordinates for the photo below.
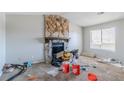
(2, 41)
(76, 35)
(119, 25)
(24, 40)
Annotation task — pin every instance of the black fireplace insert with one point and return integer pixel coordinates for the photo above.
(56, 48)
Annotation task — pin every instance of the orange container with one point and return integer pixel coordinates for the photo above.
(92, 77)
(76, 69)
(65, 68)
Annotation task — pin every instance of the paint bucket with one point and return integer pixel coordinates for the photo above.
(76, 69)
(65, 68)
(92, 77)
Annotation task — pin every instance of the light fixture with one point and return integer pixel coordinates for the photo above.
(100, 13)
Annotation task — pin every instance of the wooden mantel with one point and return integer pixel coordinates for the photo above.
(56, 38)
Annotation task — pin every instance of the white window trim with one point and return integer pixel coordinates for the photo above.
(101, 40)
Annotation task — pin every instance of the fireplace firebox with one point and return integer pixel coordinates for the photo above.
(57, 47)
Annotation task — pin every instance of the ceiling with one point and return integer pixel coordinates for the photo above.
(91, 18)
(82, 18)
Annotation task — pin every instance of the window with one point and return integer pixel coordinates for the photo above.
(103, 39)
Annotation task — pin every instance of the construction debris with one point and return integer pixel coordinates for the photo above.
(53, 72)
(8, 68)
(32, 77)
(92, 77)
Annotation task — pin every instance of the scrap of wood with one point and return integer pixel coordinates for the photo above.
(32, 77)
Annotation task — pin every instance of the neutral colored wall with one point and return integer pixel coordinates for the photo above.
(24, 38)
(2, 41)
(76, 34)
(119, 25)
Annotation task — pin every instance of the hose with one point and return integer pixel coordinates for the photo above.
(22, 69)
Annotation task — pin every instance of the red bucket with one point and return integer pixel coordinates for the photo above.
(92, 77)
(65, 68)
(76, 69)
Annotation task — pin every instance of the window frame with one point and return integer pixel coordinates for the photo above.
(100, 46)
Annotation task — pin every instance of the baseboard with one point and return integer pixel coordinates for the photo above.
(38, 61)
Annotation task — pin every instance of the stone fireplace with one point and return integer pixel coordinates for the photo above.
(53, 47)
(56, 35)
